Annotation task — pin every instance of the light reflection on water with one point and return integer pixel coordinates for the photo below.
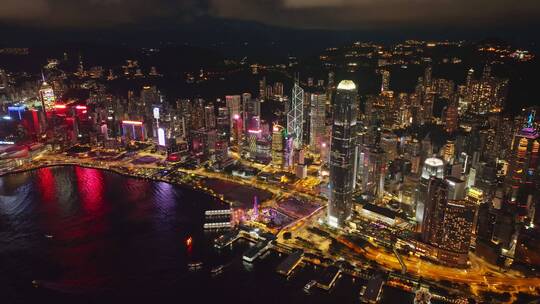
(116, 240)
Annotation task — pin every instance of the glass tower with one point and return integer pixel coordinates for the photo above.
(342, 154)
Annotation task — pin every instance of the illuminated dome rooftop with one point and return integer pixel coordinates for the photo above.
(346, 85)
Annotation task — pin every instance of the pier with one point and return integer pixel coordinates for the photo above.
(289, 264)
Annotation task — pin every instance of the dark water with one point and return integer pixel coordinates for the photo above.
(119, 240)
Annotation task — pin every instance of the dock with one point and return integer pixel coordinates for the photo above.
(256, 251)
(329, 277)
(226, 239)
(289, 264)
(373, 290)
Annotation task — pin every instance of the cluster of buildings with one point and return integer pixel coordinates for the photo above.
(473, 185)
(466, 179)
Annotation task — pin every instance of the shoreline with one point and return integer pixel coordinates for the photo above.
(116, 171)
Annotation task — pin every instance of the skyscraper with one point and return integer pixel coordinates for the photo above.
(278, 146)
(433, 167)
(342, 153)
(295, 116)
(447, 224)
(46, 95)
(523, 164)
(233, 104)
(385, 83)
(317, 121)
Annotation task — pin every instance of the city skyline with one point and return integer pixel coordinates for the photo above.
(153, 151)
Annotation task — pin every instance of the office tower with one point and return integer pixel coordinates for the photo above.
(433, 167)
(373, 170)
(278, 89)
(223, 123)
(197, 114)
(295, 116)
(456, 188)
(427, 77)
(427, 108)
(149, 95)
(262, 88)
(317, 121)
(223, 134)
(252, 112)
(451, 121)
(388, 143)
(436, 199)
(237, 131)
(385, 82)
(449, 151)
(278, 146)
(233, 103)
(46, 95)
(448, 224)
(475, 197)
(342, 156)
(523, 163)
(209, 117)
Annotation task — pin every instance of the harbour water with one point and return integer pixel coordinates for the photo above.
(90, 236)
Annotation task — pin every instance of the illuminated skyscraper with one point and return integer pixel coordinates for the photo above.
(433, 167)
(209, 117)
(447, 224)
(295, 116)
(317, 121)
(46, 95)
(523, 164)
(385, 83)
(278, 146)
(233, 103)
(342, 156)
(451, 123)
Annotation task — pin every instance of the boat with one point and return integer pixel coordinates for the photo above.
(195, 265)
(217, 270)
(308, 286)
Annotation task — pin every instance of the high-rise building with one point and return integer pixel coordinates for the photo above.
(317, 121)
(385, 82)
(295, 116)
(433, 167)
(233, 103)
(448, 224)
(486, 94)
(427, 77)
(373, 171)
(451, 122)
(523, 164)
(209, 117)
(278, 146)
(342, 156)
(46, 96)
(252, 109)
(149, 95)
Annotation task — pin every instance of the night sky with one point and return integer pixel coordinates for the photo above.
(37, 21)
(327, 14)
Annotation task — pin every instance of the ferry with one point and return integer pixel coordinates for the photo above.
(195, 266)
(308, 286)
(217, 270)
